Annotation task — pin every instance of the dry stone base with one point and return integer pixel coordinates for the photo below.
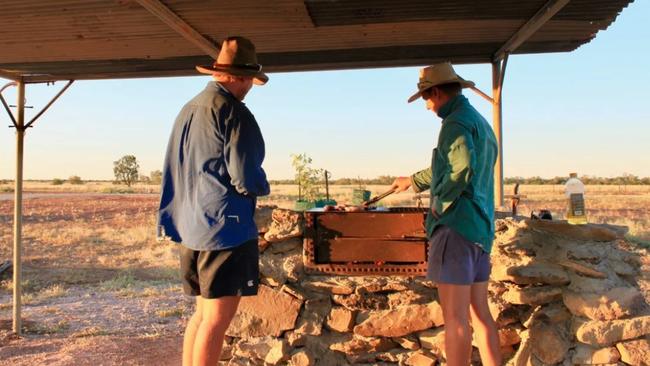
(605, 333)
(616, 303)
(268, 314)
(560, 295)
(636, 352)
(586, 355)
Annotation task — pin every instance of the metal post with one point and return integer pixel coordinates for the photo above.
(327, 186)
(497, 81)
(18, 207)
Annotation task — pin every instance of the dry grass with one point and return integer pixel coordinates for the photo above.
(87, 187)
(91, 239)
(93, 331)
(618, 205)
(87, 240)
(92, 266)
(170, 312)
(107, 242)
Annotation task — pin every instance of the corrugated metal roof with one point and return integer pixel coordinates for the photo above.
(103, 39)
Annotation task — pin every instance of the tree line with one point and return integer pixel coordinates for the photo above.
(626, 179)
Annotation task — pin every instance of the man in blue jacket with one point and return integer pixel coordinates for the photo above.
(460, 223)
(211, 179)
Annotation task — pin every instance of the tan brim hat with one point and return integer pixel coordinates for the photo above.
(237, 57)
(438, 74)
(259, 78)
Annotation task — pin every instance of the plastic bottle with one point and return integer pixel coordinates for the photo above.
(575, 194)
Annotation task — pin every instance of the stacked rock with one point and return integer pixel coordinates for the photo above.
(560, 294)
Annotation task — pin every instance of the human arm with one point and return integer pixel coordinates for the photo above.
(419, 181)
(244, 154)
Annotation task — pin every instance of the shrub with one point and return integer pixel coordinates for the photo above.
(75, 180)
(57, 181)
(155, 177)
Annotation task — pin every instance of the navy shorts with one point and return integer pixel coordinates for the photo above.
(455, 260)
(217, 273)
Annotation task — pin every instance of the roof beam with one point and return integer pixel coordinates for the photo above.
(170, 18)
(9, 75)
(532, 25)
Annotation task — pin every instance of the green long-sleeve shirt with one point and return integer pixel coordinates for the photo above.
(461, 176)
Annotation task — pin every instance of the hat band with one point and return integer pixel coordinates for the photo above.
(252, 67)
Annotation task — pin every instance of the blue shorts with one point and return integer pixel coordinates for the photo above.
(455, 260)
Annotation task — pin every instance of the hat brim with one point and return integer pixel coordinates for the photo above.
(259, 78)
(463, 84)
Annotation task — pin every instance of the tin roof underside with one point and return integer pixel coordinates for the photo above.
(95, 39)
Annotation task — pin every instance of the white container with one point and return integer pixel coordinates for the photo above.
(574, 190)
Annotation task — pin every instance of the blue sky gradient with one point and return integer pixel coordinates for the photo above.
(584, 111)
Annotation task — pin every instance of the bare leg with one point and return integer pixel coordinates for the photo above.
(190, 332)
(216, 316)
(455, 300)
(487, 338)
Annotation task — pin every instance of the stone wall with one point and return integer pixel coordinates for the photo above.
(560, 294)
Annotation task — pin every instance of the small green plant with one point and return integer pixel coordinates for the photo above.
(57, 181)
(306, 177)
(75, 180)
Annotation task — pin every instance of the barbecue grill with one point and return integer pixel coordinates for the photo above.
(372, 242)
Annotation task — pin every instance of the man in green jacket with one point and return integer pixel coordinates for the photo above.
(460, 223)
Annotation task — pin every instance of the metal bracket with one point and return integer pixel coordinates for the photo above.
(4, 103)
(29, 124)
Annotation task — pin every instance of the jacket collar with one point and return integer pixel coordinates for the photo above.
(220, 89)
(453, 104)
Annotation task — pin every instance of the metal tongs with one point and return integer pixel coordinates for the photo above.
(377, 198)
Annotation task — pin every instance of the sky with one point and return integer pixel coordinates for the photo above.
(584, 111)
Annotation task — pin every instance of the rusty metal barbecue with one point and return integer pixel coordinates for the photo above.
(382, 242)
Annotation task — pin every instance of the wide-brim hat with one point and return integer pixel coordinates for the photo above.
(237, 57)
(438, 74)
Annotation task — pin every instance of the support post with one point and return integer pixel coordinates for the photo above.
(18, 208)
(498, 70)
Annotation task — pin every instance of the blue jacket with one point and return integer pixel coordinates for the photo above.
(212, 173)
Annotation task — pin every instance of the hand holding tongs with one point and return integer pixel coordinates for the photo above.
(377, 198)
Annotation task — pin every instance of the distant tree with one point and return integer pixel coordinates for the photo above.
(75, 179)
(144, 179)
(155, 177)
(126, 170)
(57, 181)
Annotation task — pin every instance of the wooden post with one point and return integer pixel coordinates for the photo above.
(497, 82)
(18, 208)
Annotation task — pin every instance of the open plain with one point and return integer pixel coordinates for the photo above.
(100, 289)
